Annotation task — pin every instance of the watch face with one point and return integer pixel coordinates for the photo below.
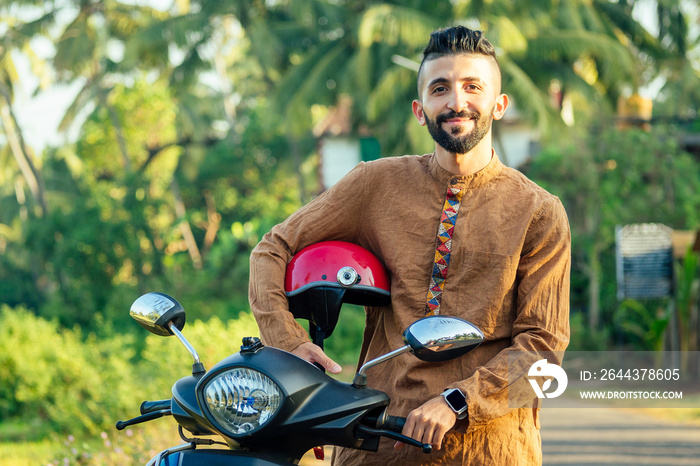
(455, 399)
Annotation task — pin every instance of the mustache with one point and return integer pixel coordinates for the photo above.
(452, 114)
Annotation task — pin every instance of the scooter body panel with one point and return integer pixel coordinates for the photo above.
(220, 458)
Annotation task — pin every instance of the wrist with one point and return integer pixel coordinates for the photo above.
(456, 401)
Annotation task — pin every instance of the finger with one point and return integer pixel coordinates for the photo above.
(313, 354)
(408, 430)
(320, 357)
(419, 434)
(427, 436)
(437, 438)
(330, 365)
(409, 425)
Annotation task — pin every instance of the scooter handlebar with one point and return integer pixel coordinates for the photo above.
(151, 406)
(121, 425)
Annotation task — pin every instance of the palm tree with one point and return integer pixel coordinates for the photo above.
(576, 46)
(679, 64)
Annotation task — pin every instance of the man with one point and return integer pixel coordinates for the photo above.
(461, 234)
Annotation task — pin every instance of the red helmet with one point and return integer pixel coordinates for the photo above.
(324, 275)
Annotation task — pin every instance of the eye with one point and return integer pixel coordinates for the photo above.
(439, 89)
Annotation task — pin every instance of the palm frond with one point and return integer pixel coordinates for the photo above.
(382, 100)
(570, 45)
(393, 25)
(507, 35)
(314, 90)
(76, 46)
(86, 95)
(298, 76)
(529, 98)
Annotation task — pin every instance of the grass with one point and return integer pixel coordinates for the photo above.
(689, 416)
(132, 446)
(687, 413)
(26, 453)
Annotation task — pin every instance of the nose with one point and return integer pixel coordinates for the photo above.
(458, 100)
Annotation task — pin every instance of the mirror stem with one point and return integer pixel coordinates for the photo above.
(184, 341)
(360, 380)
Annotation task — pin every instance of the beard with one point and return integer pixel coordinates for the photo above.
(454, 141)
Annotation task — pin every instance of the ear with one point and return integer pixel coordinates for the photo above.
(500, 108)
(417, 107)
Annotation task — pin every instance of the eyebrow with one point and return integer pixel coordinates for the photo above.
(467, 79)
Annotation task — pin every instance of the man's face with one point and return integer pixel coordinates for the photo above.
(459, 100)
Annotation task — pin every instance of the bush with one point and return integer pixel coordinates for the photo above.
(54, 375)
(70, 383)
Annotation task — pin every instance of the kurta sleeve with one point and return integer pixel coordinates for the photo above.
(334, 215)
(541, 325)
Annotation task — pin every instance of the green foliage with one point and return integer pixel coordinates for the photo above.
(583, 338)
(67, 381)
(60, 380)
(687, 273)
(643, 323)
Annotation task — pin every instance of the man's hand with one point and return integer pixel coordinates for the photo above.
(429, 423)
(313, 353)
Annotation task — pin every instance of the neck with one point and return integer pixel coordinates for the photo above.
(465, 164)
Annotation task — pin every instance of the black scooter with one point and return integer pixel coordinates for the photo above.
(270, 407)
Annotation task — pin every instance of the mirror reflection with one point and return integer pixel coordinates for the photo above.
(440, 333)
(150, 307)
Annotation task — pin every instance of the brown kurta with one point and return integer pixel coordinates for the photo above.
(509, 275)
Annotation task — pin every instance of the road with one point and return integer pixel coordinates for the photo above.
(602, 436)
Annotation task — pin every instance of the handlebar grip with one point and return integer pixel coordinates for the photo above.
(393, 423)
(152, 406)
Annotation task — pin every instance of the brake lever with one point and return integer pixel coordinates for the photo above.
(121, 425)
(426, 447)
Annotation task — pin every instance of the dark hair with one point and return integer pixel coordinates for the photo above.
(453, 40)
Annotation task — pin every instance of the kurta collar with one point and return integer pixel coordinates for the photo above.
(479, 178)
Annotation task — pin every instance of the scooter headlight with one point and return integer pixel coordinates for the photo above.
(242, 400)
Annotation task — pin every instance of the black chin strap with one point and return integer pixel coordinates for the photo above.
(317, 336)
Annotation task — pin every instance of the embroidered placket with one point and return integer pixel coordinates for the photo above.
(443, 249)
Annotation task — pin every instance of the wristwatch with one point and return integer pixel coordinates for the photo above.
(455, 400)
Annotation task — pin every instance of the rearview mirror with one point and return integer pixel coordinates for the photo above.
(154, 312)
(439, 338)
(432, 338)
(163, 315)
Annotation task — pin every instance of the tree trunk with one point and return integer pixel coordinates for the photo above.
(213, 223)
(22, 153)
(593, 288)
(185, 228)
